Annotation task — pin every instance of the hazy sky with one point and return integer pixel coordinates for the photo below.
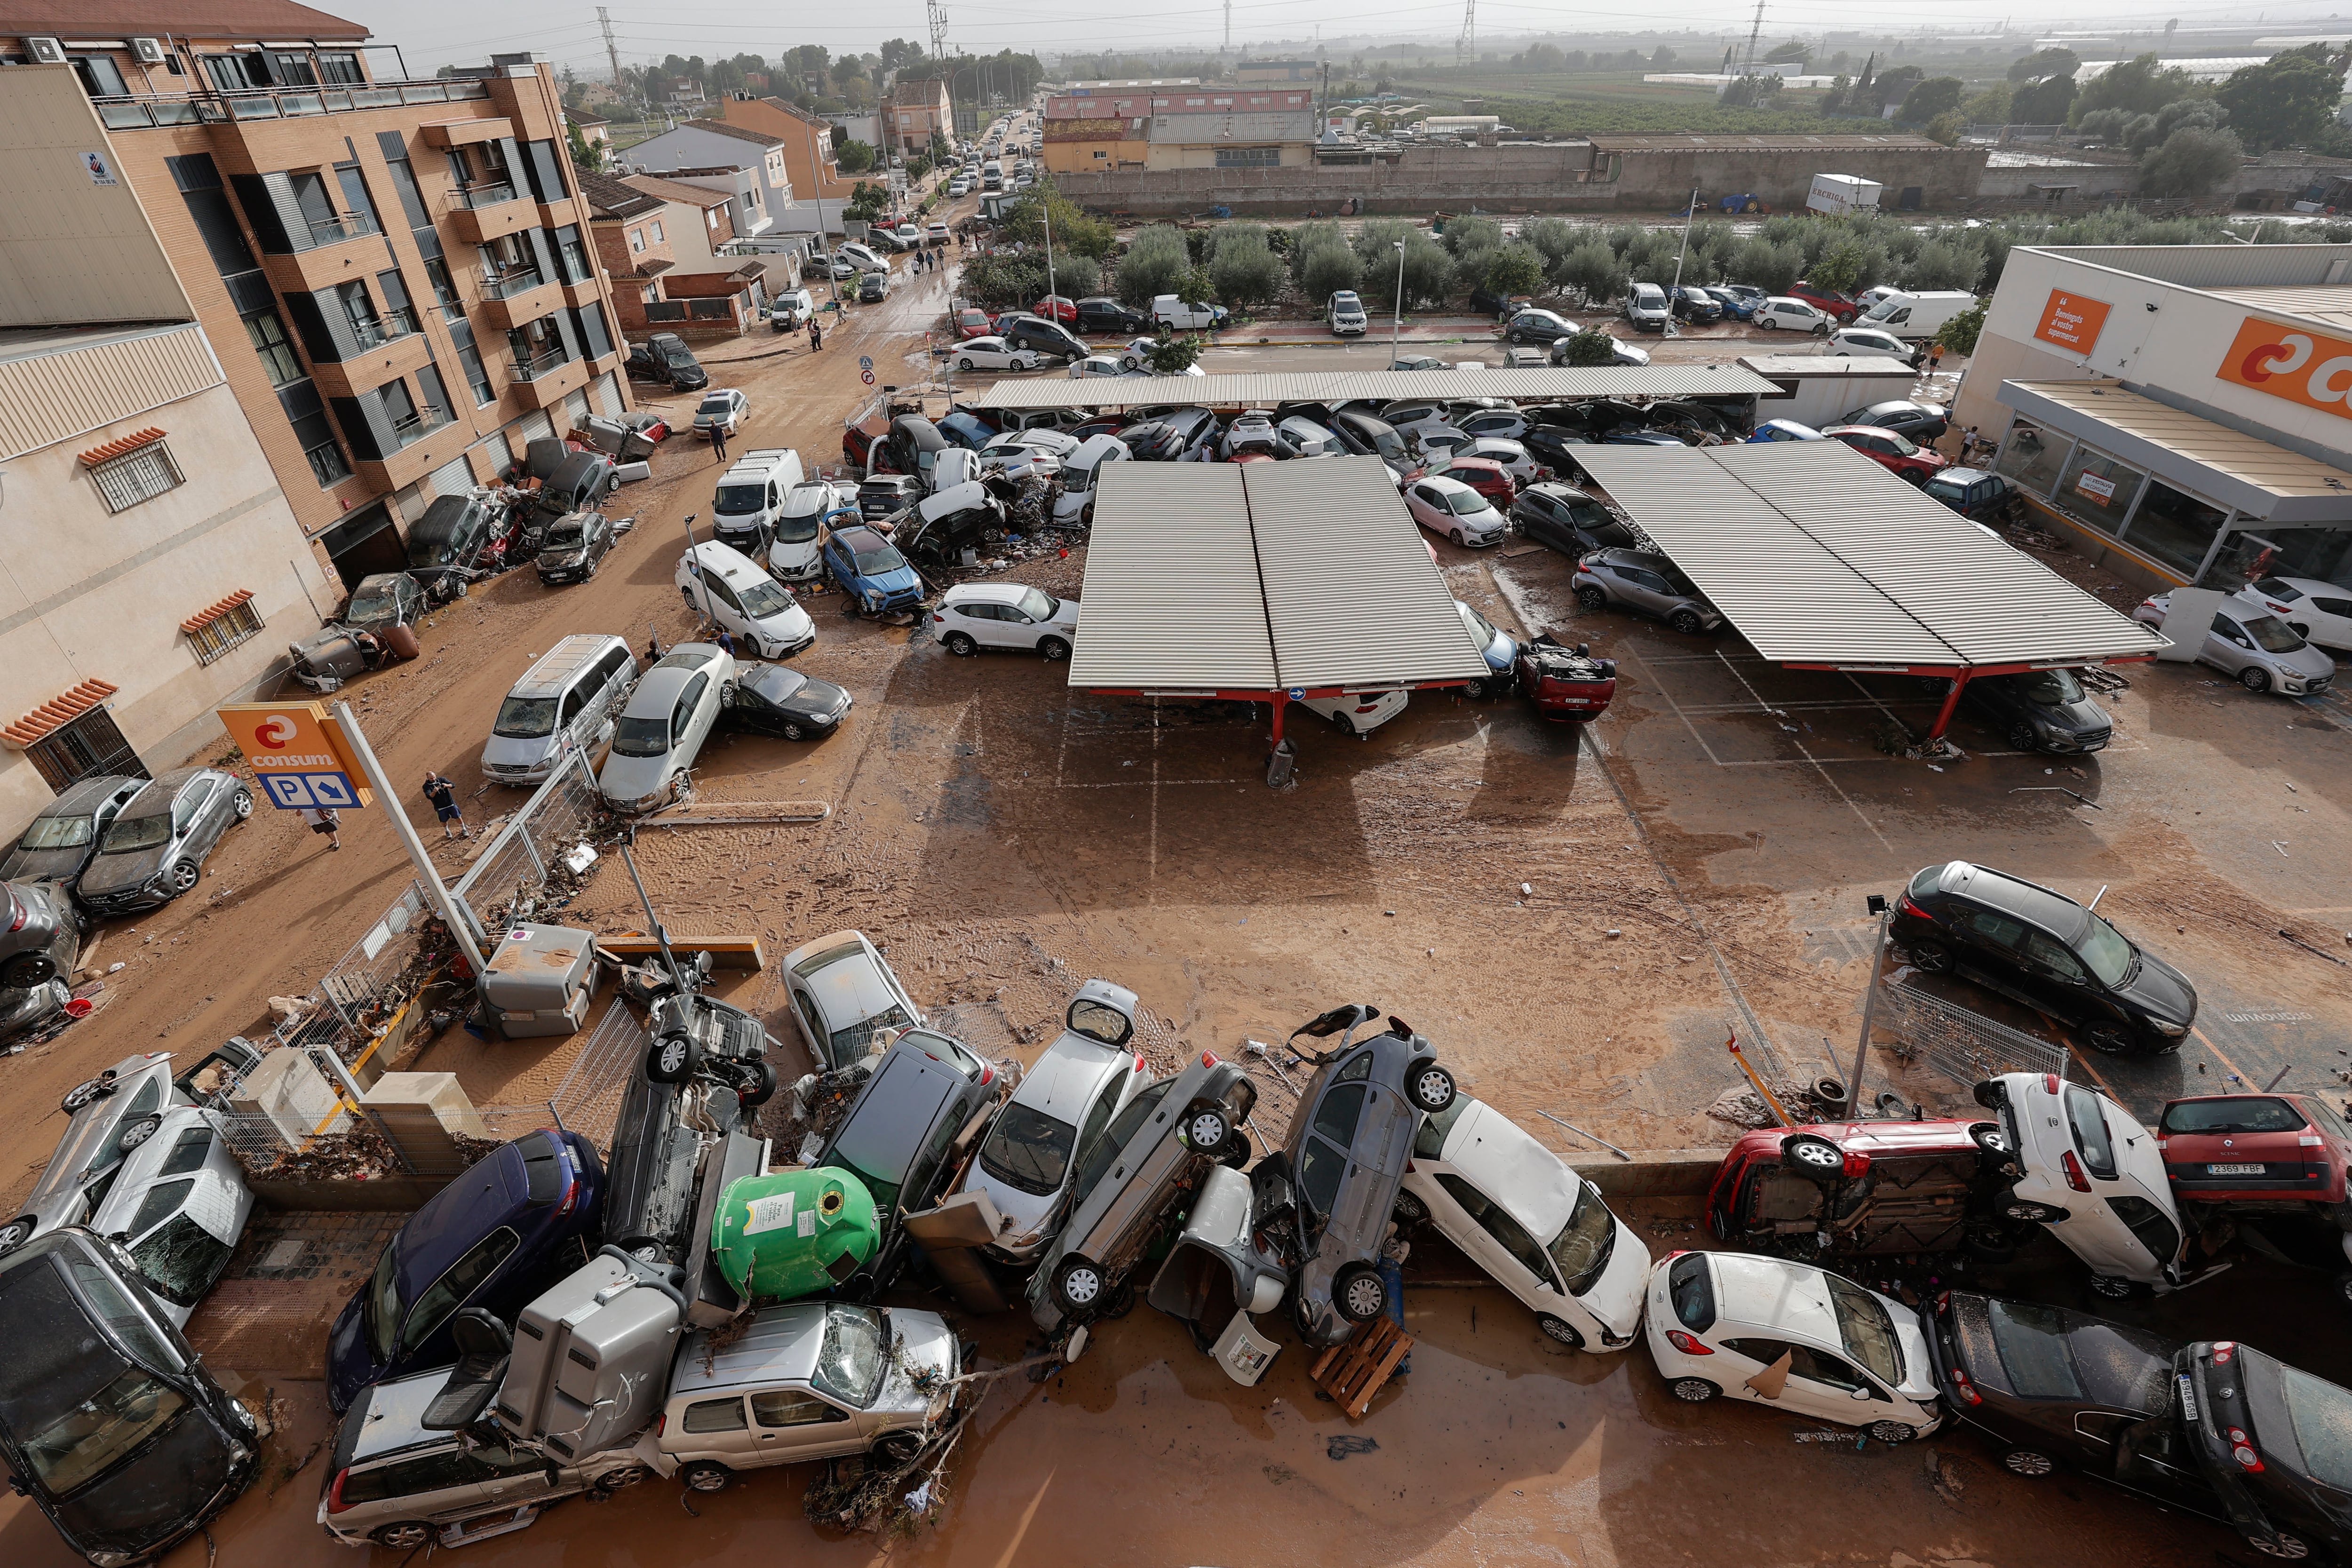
(432, 31)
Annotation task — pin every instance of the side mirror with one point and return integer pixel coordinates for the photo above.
(1861, 1393)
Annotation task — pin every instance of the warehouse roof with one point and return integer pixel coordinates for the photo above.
(1266, 389)
(1206, 577)
(1820, 556)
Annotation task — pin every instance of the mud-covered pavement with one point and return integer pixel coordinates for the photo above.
(1577, 921)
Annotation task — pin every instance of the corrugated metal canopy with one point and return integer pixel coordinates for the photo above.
(1819, 555)
(1261, 577)
(1264, 390)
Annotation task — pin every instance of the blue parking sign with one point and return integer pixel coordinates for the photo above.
(296, 792)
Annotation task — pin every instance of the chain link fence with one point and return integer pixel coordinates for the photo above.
(544, 848)
(1963, 1046)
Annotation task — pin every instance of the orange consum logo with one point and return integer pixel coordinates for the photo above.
(2071, 321)
(2292, 363)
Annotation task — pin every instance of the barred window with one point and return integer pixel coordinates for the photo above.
(1248, 157)
(225, 631)
(136, 477)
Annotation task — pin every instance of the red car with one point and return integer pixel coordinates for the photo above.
(1853, 1189)
(2285, 1151)
(1057, 308)
(1826, 299)
(1565, 684)
(974, 323)
(1485, 475)
(1897, 453)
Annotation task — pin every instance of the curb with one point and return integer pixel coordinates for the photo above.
(1653, 1173)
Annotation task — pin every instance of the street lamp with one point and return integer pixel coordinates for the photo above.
(1396, 323)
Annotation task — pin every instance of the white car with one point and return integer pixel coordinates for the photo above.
(1852, 342)
(863, 258)
(1778, 315)
(1453, 508)
(794, 305)
(1099, 364)
(974, 616)
(1515, 1209)
(1438, 442)
(2316, 611)
(959, 187)
(2093, 1176)
(178, 1203)
(1508, 453)
(1345, 312)
(1039, 449)
(1300, 437)
(1814, 1343)
(843, 996)
(1076, 501)
(1137, 355)
(722, 408)
(909, 234)
(1081, 1081)
(727, 588)
(796, 552)
(992, 353)
(2255, 647)
(662, 729)
(1251, 431)
(1510, 424)
(936, 232)
(1357, 713)
(1420, 361)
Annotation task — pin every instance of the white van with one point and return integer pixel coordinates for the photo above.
(1916, 318)
(723, 584)
(796, 542)
(1078, 471)
(567, 699)
(750, 497)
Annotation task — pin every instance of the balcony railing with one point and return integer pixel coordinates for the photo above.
(343, 227)
(507, 285)
(417, 426)
(490, 194)
(374, 333)
(541, 367)
(327, 464)
(132, 111)
(399, 323)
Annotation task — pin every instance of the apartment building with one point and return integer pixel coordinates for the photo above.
(397, 274)
(806, 141)
(915, 112)
(700, 148)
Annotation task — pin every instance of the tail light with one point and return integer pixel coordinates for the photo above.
(2074, 1177)
(24, 913)
(987, 1075)
(1964, 1388)
(1138, 1064)
(2050, 1086)
(1856, 1166)
(335, 1503)
(1912, 910)
(1368, 708)
(1687, 1344)
(570, 1197)
(1208, 1058)
(2223, 1350)
(661, 1423)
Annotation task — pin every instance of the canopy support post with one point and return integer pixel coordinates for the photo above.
(1281, 700)
(1944, 715)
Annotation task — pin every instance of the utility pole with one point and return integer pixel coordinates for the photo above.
(937, 10)
(1465, 47)
(1228, 27)
(1755, 33)
(611, 49)
(458, 921)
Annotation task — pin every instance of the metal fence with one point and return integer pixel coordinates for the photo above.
(369, 987)
(538, 849)
(1963, 1046)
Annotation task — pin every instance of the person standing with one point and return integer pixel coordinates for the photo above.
(444, 796)
(1934, 359)
(817, 336)
(326, 822)
(719, 442)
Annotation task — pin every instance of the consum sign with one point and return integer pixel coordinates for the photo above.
(2292, 363)
(2071, 321)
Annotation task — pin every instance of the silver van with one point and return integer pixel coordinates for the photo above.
(569, 699)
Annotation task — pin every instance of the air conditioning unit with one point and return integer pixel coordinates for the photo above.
(46, 51)
(149, 50)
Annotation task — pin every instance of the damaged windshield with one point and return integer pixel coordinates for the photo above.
(1029, 1149)
(1581, 1248)
(130, 833)
(525, 718)
(854, 1355)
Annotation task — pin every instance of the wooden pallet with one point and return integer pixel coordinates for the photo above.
(1357, 1368)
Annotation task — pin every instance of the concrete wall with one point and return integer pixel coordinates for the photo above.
(1717, 166)
(75, 247)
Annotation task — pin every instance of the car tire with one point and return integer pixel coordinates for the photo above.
(612, 1481)
(1561, 1330)
(1891, 1432)
(703, 1476)
(2283, 1544)
(673, 1058)
(1813, 1157)
(1234, 1152)
(241, 803)
(1931, 957)
(1687, 622)
(898, 1449)
(2110, 1039)
(1206, 1128)
(79, 1095)
(1474, 689)
(136, 1132)
(1052, 650)
(1988, 1245)
(406, 1536)
(2024, 736)
(961, 645)
(793, 730)
(2032, 1463)
(1359, 1293)
(2112, 1286)
(1592, 599)
(1989, 1137)
(2254, 677)
(760, 1090)
(1429, 1087)
(1694, 1390)
(27, 970)
(1341, 722)
(16, 1232)
(2026, 1212)
(965, 363)
(1079, 1286)
(1410, 1209)
(1914, 476)
(186, 875)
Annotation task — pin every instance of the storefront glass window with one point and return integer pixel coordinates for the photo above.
(2174, 527)
(2033, 456)
(2323, 554)
(2097, 489)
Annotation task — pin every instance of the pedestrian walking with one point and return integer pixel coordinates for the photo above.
(326, 822)
(816, 337)
(444, 796)
(719, 442)
(727, 642)
(1967, 443)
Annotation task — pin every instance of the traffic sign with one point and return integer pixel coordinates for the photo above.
(866, 361)
(298, 754)
(866, 376)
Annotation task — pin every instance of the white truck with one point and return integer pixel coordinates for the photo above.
(1840, 195)
(1918, 318)
(1815, 390)
(750, 497)
(1185, 315)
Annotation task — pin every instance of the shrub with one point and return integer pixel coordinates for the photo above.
(2191, 163)
(1589, 347)
(1172, 355)
(1326, 269)
(1959, 334)
(1244, 271)
(1463, 235)
(1591, 271)
(1515, 269)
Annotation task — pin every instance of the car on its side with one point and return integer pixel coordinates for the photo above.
(2319, 612)
(2035, 710)
(992, 353)
(1783, 314)
(385, 600)
(769, 700)
(1866, 1189)
(1345, 312)
(2046, 951)
(1038, 449)
(1813, 1343)
(458, 536)
(1563, 518)
(42, 939)
(1897, 454)
(661, 731)
(723, 409)
(1922, 422)
(1538, 1229)
(2093, 1177)
(1867, 342)
(155, 848)
(843, 996)
(904, 1137)
(519, 1219)
(974, 616)
(178, 1204)
(2258, 648)
(874, 578)
(1645, 582)
(1453, 508)
(56, 844)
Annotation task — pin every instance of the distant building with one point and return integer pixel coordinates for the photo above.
(593, 130)
(1254, 72)
(915, 111)
(807, 141)
(701, 145)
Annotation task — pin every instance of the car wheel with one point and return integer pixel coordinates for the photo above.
(1207, 1128)
(2026, 1212)
(1890, 1431)
(963, 364)
(705, 1476)
(612, 1481)
(1915, 476)
(1813, 1156)
(1989, 1137)
(2030, 1462)
(673, 1058)
(1052, 650)
(1341, 722)
(1687, 622)
(186, 875)
(1560, 1329)
(794, 731)
(1431, 1086)
(138, 1133)
(2279, 1544)
(2110, 1039)
(2114, 1287)
(1931, 957)
(961, 645)
(1410, 1209)
(2254, 677)
(27, 970)
(1459, 542)
(464, 588)
(1592, 598)
(1820, 328)
(1988, 1244)
(16, 1232)
(1359, 1293)
(241, 803)
(79, 1095)
(760, 1090)
(898, 1449)
(1473, 688)
(1234, 1152)
(406, 1536)
(1695, 1390)
(1078, 1285)
(2021, 735)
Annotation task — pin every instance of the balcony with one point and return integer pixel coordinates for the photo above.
(483, 193)
(374, 331)
(488, 211)
(417, 426)
(428, 441)
(507, 284)
(516, 298)
(334, 230)
(134, 111)
(542, 383)
(541, 367)
(389, 357)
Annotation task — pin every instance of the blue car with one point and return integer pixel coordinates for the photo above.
(1738, 303)
(517, 1220)
(872, 574)
(1783, 430)
(1502, 651)
(969, 431)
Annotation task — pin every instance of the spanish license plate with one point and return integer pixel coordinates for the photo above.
(2188, 1397)
(2255, 1170)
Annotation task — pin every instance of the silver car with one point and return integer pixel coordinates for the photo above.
(2260, 649)
(1637, 580)
(662, 729)
(60, 842)
(154, 849)
(179, 1203)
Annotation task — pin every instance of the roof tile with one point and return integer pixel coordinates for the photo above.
(58, 712)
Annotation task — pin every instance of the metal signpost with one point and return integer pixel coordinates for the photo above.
(460, 931)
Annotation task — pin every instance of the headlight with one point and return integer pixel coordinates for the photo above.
(2168, 1029)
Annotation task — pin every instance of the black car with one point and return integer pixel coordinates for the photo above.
(58, 843)
(1039, 336)
(1566, 520)
(873, 288)
(107, 1420)
(901, 1137)
(664, 357)
(1923, 421)
(1105, 315)
(447, 545)
(2268, 1440)
(1555, 447)
(888, 495)
(580, 483)
(1370, 437)
(1692, 303)
(1167, 439)
(1540, 327)
(2046, 951)
(1976, 495)
(573, 546)
(2035, 710)
(773, 700)
(1486, 302)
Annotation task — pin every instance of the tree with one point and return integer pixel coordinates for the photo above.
(1750, 91)
(1796, 51)
(2045, 103)
(1591, 271)
(2192, 162)
(1326, 269)
(1960, 333)
(585, 154)
(867, 200)
(1515, 269)
(1833, 102)
(1989, 107)
(1939, 264)
(1662, 60)
(853, 157)
(1467, 234)
(2287, 101)
(1173, 355)
(2142, 84)
(1769, 266)
(2044, 63)
(1840, 271)
(1937, 95)
(1156, 263)
(1245, 270)
(1074, 231)
(1588, 348)
(1947, 128)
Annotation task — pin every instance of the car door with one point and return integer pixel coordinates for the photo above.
(1644, 588)
(1014, 628)
(1744, 1356)
(1828, 1385)
(1499, 1244)
(792, 1422)
(2227, 645)
(1542, 520)
(2057, 979)
(689, 721)
(720, 1429)
(512, 1479)
(189, 820)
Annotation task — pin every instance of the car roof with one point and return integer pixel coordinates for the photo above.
(1772, 1293)
(851, 987)
(2013, 894)
(776, 1344)
(554, 671)
(1070, 1073)
(1531, 1182)
(984, 593)
(1964, 476)
(1441, 480)
(85, 796)
(730, 562)
(124, 1198)
(387, 1418)
(157, 797)
(458, 1215)
(857, 538)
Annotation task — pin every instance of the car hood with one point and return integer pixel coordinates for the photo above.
(517, 752)
(925, 1346)
(788, 625)
(1616, 1297)
(2075, 718)
(2306, 662)
(817, 697)
(121, 873)
(633, 783)
(45, 865)
(849, 990)
(2161, 989)
(1025, 1211)
(351, 1364)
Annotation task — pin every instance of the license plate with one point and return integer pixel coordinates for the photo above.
(2234, 1170)
(2188, 1397)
